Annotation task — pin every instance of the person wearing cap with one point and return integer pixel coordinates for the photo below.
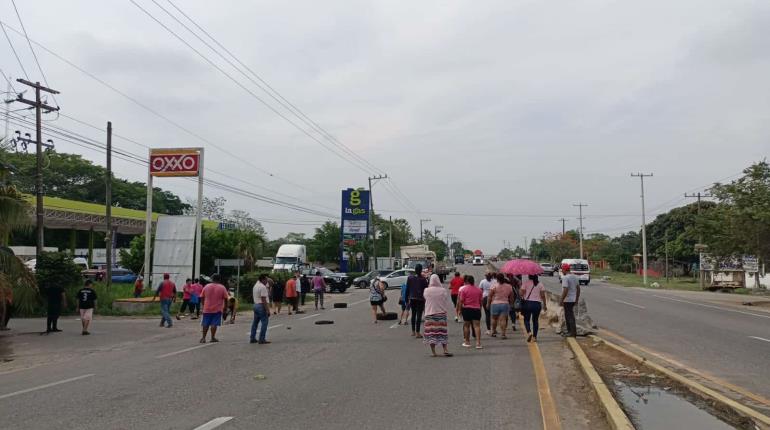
(570, 294)
(167, 293)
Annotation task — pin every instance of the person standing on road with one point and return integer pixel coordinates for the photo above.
(6, 295)
(377, 298)
(57, 300)
(486, 285)
(455, 284)
(291, 294)
(436, 311)
(500, 299)
(305, 288)
(86, 305)
(415, 286)
(404, 302)
(195, 299)
(319, 288)
(214, 297)
(469, 306)
(186, 294)
(167, 293)
(276, 296)
(261, 310)
(138, 287)
(533, 295)
(570, 294)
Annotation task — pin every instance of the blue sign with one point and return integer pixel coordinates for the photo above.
(354, 225)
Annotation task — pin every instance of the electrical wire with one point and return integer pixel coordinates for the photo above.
(7, 79)
(26, 36)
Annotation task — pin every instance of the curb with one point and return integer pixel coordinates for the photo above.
(616, 418)
(693, 386)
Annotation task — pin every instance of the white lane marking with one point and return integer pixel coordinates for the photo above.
(395, 325)
(721, 308)
(310, 316)
(759, 338)
(273, 326)
(216, 422)
(630, 304)
(360, 301)
(40, 387)
(181, 351)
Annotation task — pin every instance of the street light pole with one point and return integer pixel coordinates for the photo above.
(641, 176)
(580, 207)
(421, 231)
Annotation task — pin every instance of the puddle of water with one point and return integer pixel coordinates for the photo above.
(654, 408)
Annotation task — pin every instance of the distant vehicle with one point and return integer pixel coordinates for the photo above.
(548, 268)
(364, 280)
(334, 281)
(81, 262)
(578, 267)
(290, 257)
(396, 279)
(478, 261)
(459, 259)
(123, 275)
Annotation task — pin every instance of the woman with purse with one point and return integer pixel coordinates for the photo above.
(377, 298)
(500, 301)
(534, 301)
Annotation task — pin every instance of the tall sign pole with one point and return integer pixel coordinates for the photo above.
(108, 239)
(199, 219)
(148, 227)
(641, 176)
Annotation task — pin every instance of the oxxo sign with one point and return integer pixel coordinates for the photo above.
(174, 162)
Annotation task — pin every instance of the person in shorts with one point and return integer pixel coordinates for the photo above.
(469, 306)
(290, 293)
(499, 304)
(213, 296)
(404, 302)
(454, 288)
(86, 305)
(377, 298)
(186, 296)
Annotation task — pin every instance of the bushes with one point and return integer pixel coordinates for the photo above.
(58, 269)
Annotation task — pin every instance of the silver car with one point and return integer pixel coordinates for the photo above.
(396, 279)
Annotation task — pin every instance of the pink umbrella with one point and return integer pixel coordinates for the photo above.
(522, 267)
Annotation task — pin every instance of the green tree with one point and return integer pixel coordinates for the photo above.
(58, 269)
(248, 246)
(325, 245)
(133, 257)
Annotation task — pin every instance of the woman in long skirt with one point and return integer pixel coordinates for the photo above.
(436, 310)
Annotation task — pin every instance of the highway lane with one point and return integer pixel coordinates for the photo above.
(721, 340)
(354, 374)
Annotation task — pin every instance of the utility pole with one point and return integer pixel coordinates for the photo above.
(700, 236)
(371, 216)
(580, 207)
(421, 231)
(641, 176)
(665, 238)
(108, 206)
(563, 226)
(526, 245)
(7, 103)
(39, 108)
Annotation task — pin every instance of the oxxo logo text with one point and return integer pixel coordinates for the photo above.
(174, 164)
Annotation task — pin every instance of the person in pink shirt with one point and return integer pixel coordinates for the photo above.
(436, 310)
(469, 306)
(195, 298)
(499, 303)
(186, 294)
(533, 296)
(213, 296)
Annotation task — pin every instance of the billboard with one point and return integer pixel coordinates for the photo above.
(354, 224)
(174, 162)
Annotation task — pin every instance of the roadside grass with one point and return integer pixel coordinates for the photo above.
(634, 280)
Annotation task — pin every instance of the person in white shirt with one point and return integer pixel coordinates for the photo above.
(486, 285)
(261, 310)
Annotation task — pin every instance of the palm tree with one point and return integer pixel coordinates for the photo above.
(247, 247)
(15, 277)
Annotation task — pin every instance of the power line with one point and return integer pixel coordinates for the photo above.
(15, 54)
(158, 114)
(26, 36)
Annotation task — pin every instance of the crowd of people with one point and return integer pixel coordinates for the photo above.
(500, 297)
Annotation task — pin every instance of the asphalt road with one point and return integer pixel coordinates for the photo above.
(731, 342)
(131, 374)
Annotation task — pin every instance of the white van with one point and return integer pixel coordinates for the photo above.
(578, 267)
(290, 257)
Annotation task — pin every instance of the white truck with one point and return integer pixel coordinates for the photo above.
(579, 267)
(290, 257)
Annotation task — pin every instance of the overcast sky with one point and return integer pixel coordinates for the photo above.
(516, 109)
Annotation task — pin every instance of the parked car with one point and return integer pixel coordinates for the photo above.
(548, 268)
(120, 274)
(94, 274)
(364, 280)
(334, 281)
(396, 279)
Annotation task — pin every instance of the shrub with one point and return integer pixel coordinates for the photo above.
(58, 269)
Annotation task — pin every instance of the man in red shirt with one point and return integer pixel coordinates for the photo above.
(167, 293)
(455, 284)
(213, 297)
(290, 292)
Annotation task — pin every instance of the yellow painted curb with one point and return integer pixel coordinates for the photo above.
(616, 418)
(548, 409)
(694, 386)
